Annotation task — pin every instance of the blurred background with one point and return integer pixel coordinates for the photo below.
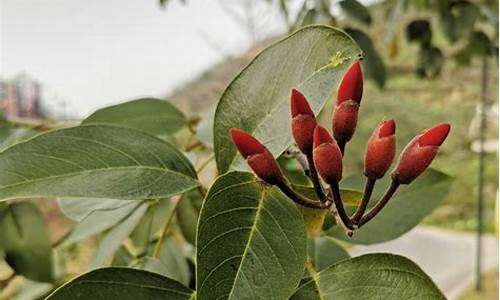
(428, 61)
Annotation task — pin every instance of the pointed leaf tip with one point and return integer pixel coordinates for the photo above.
(351, 87)
(299, 104)
(247, 145)
(387, 128)
(321, 136)
(435, 136)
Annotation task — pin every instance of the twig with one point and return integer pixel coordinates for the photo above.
(159, 243)
(299, 199)
(377, 208)
(313, 174)
(370, 184)
(339, 209)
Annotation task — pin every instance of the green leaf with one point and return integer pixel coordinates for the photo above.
(155, 218)
(100, 220)
(419, 30)
(313, 59)
(251, 241)
(155, 116)
(371, 276)
(325, 251)
(176, 265)
(16, 135)
(357, 11)
(187, 214)
(123, 284)
(114, 238)
(373, 65)
(25, 241)
(77, 209)
(95, 161)
(405, 210)
(430, 61)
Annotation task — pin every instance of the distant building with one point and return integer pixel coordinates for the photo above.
(21, 97)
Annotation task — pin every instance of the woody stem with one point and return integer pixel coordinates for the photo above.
(339, 206)
(377, 208)
(313, 174)
(300, 199)
(370, 184)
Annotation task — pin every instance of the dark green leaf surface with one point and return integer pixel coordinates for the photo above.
(313, 59)
(95, 161)
(122, 284)
(371, 276)
(357, 11)
(251, 241)
(325, 251)
(148, 114)
(403, 212)
(25, 240)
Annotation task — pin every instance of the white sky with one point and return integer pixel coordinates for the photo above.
(93, 53)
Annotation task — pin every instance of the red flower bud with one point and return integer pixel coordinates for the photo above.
(258, 157)
(303, 121)
(345, 118)
(327, 156)
(351, 87)
(345, 115)
(419, 153)
(380, 150)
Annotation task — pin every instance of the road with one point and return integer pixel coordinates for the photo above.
(447, 256)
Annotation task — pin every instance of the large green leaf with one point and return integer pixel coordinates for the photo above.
(25, 240)
(96, 161)
(371, 276)
(313, 59)
(403, 212)
(251, 241)
(152, 115)
(123, 284)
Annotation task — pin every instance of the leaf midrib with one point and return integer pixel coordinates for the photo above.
(96, 170)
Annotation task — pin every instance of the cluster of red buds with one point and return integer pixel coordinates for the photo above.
(324, 153)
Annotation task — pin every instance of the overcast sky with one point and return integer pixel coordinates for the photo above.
(97, 52)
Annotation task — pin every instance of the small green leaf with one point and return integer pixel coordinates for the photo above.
(123, 284)
(78, 209)
(99, 220)
(403, 212)
(251, 241)
(187, 214)
(95, 161)
(176, 266)
(257, 100)
(114, 238)
(371, 276)
(357, 11)
(25, 241)
(325, 251)
(155, 116)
